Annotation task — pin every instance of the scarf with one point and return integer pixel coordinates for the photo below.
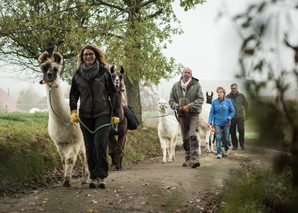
(88, 73)
(184, 85)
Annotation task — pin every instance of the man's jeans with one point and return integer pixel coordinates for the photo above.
(239, 123)
(223, 137)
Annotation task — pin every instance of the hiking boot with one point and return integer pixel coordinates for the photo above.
(242, 147)
(101, 183)
(218, 156)
(226, 153)
(234, 148)
(195, 163)
(93, 183)
(187, 162)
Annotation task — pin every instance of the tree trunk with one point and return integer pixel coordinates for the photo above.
(133, 98)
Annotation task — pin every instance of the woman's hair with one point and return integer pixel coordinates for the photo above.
(221, 88)
(98, 54)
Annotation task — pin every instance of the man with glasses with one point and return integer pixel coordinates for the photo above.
(240, 105)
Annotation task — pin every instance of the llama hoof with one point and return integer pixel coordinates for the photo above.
(164, 162)
(66, 183)
(84, 182)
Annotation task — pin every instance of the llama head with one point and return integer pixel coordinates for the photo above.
(162, 105)
(50, 66)
(209, 98)
(118, 78)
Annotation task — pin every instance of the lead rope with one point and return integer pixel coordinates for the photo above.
(115, 127)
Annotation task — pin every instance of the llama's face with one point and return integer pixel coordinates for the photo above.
(209, 98)
(50, 66)
(162, 105)
(118, 78)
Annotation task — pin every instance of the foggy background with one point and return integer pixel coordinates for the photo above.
(209, 46)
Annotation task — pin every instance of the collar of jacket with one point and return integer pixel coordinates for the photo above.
(231, 94)
(192, 82)
(101, 70)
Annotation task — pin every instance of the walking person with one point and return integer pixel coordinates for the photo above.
(240, 104)
(221, 112)
(99, 105)
(187, 96)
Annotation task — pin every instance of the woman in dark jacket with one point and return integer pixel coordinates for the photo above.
(99, 105)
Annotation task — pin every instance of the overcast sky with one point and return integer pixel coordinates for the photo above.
(208, 46)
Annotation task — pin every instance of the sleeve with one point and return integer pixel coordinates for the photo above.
(112, 92)
(246, 108)
(172, 99)
(231, 110)
(211, 114)
(198, 101)
(74, 95)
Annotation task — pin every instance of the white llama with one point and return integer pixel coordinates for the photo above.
(209, 134)
(167, 131)
(67, 138)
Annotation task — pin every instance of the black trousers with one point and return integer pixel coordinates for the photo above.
(239, 124)
(96, 145)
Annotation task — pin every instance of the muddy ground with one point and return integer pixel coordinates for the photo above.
(148, 186)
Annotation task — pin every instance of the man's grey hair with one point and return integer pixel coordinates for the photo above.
(234, 84)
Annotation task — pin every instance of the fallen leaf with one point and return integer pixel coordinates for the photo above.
(94, 201)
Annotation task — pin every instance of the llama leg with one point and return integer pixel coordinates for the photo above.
(174, 147)
(164, 151)
(120, 144)
(212, 139)
(83, 158)
(69, 164)
(62, 154)
(112, 149)
(207, 140)
(199, 143)
(169, 152)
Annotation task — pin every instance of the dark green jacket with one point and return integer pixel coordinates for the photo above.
(193, 96)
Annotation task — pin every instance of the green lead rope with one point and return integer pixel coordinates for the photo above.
(115, 127)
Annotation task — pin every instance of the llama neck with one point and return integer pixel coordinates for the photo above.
(162, 119)
(58, 102)
(122, 98)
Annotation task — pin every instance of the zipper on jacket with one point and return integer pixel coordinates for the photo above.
(219, 113)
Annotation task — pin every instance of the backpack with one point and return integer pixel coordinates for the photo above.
(132, 121)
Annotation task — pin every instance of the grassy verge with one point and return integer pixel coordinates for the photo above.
(261, 191)
(27, 152)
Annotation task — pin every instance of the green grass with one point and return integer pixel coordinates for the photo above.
(261, 191)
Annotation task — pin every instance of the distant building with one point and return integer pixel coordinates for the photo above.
(7, 103)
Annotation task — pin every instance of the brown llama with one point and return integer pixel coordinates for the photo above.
(116, 146)
(67, 138)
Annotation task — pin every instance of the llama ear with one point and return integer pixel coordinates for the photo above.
(112, 69)
(43, 57)
(122, 70)
(57, 57)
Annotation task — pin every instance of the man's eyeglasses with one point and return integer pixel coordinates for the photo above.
(88, 54)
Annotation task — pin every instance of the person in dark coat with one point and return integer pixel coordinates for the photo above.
(99, 105)
(240, 105)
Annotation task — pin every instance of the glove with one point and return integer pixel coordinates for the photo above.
(74, 117)
(115, 120)
(178, 109)
(186, 108)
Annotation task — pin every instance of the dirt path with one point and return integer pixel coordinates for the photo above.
(148, 186)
